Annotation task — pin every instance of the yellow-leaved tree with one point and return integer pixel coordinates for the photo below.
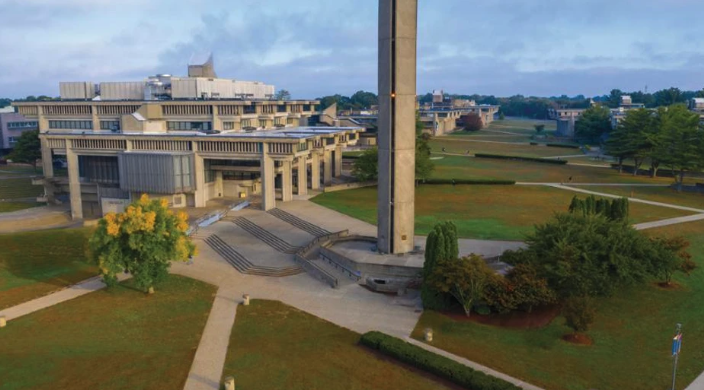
(143, 241)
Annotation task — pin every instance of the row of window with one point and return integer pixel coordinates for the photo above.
(22, 125)
(110, 125)
(192, 126)
(71, 125)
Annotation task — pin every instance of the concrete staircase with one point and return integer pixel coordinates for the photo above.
(264, 235)
(304, 225)
(243, 265)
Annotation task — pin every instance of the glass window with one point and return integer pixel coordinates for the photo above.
(71, 125)
(110, 125)
(228, 125)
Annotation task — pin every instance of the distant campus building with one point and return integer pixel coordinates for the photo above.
(567, 117)
(12, 125)
(188, 140)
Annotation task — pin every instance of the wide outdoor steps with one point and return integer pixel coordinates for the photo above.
(264, 235)
(243, 265)
(299, 223)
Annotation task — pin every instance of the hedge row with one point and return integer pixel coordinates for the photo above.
(567, 146)
(520, 158)
(433, 363)
(468, 181)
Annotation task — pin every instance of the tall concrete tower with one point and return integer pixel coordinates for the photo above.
(397, 116)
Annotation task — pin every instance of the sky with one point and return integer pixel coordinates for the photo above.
(314, 48)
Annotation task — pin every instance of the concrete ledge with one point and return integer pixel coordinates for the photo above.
(349, 186)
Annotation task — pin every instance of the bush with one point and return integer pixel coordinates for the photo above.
(566, 146)
(534, 144)
(483, 310)
(521, 158)
(433, 363)
(579, 313)
(467, 182)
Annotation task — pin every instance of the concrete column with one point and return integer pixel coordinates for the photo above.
(327, 167)
(315, 171)
(42, 121)
(268, 175)
(217, 123)
(96, 120)
(397, 102)
(287, 181)
(48, 168)
(199, 173)
(128, 145)
(302, 176)
(338, 161)
(219, 185)
(74, 182)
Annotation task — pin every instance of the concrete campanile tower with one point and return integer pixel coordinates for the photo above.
(397, 116)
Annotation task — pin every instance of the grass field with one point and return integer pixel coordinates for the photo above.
(453, 167)
(457, 145)
(632, 336)
(7, 170)
(482, 212)
(6, 207)
(276, 347)
(19, 188)
(115, 339)
(35, 264)
(655, 194)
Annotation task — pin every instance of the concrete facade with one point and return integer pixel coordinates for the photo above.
(397, 107)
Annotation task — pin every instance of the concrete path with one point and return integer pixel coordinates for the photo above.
(469, 363)
(698, 383)
(75, 291)
(635, 200)
(528, 183)
(667, 222)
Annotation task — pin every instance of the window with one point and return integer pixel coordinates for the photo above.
(306, 107)
(12, 141)
(262, 123)
(110, 125)
(228, 125)
(281, 108)
(246, 123)
(71, 125)
(22, 125)
(251, 109)
(190, 126)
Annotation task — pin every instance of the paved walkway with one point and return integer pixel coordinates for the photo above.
(75, 291)
(698, 383)
(668, 222)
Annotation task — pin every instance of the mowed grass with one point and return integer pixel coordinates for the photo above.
(460, 167)
(655, 194)
(275, 347)
(6, 207)
(109, 339)
(482, 212)
(37, 263)
(455, 145)
(7, 170)
(19, 188)
(632, 335)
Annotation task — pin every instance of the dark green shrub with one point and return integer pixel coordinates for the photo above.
(433, 363)
(482, 310)
(566, 146)
(521, 158)
(467, 182)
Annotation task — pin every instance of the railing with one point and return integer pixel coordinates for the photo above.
(301, 257)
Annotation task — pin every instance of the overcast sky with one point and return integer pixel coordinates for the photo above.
(320, 47)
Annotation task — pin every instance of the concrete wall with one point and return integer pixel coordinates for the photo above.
(349, 186)
(365, 270)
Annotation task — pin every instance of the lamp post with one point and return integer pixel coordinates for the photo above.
(676, 347)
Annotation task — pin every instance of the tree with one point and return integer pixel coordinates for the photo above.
(632, 138)
(28, 149)
(668, 97)
(615, 98)
(362, 99)
(680, 145)
(539, 128)
(366, 167)
(282, 95)
(501, 115)
(143, 241)
(465, 279)
(594, 123)
(441, 245)
(579, 313)
(472, 122)
(529, 289)
(673, 257)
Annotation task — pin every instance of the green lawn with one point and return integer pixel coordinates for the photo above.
(457, 145)
(19, 188)
(7, 170)
(655, 194)
(632, 336)
(114, 339)
(274, 346)
(6, 207)
(454, 167)
(38, 263)
(483, 212)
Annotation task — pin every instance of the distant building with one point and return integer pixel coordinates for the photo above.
(12, 125)
(438, 96)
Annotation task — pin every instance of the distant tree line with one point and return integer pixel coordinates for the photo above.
(359, 101)
(4, 102)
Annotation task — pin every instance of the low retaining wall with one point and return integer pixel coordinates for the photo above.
(349, 186)
(301, 257)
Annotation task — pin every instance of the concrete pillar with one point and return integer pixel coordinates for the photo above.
(219, 184)
(48, 168)
(96, 120)
(302, 176)
(338, 161)
(74, 181)
(315, 171)
(397, 102)
(199, 167)
(327, 167)
(287, 181)
(216, 122)
(268, 180)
